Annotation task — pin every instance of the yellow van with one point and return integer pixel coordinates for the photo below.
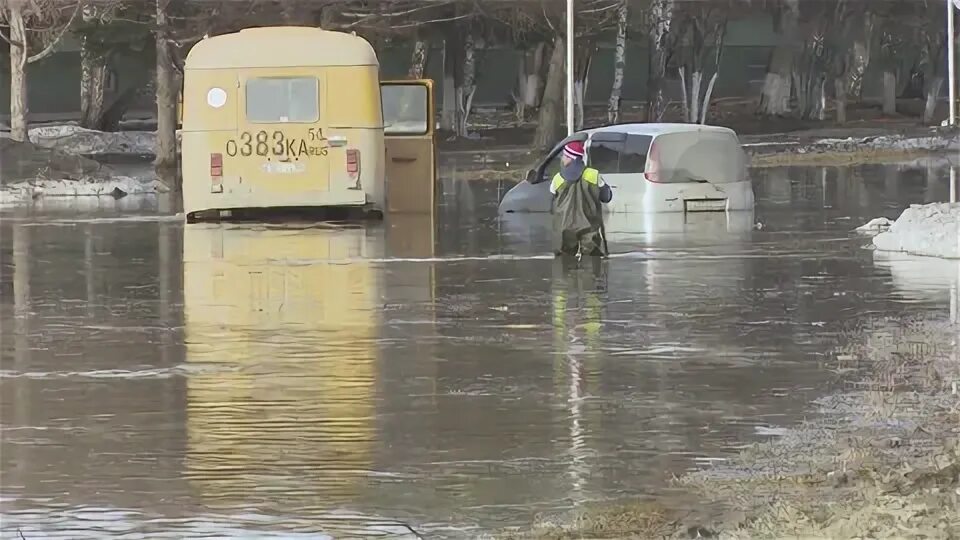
(280, 117)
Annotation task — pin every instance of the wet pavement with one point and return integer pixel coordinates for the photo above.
(163, 381)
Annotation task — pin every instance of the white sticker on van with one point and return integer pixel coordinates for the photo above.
(283, 168)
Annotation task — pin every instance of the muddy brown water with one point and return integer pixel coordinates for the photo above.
(252, 381)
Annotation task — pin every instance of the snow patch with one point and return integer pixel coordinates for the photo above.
(875, 226)
(116, 186)
(931, 230)
(77, 140)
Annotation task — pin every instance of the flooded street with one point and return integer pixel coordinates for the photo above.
(169, 381)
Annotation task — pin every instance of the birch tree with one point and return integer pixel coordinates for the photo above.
(34, 25)
(660, 24)
(619, 63)
(700, 26)
(107, 28)
(419, 58)
(594, 17)
(777, 85)
(931, 35)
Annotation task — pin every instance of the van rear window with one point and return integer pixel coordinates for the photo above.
(696, 157)
(623, 156)
(283, 99)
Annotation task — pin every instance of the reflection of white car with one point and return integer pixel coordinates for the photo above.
(651, 168)
(729, 230)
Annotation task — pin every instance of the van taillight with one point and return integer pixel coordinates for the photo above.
(353, 162)
(353, 166)
(216, 173)
(216, 165)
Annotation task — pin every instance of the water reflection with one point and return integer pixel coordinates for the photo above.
(282, 360)
(307, 379)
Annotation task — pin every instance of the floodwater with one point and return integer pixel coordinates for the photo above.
(245, 381)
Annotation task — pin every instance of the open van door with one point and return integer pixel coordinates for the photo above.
(409, 137)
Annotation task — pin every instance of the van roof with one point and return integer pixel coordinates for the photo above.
(280, 46)
(658, 129)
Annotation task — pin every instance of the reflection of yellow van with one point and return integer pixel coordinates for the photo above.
(282, 351)
(298, 117)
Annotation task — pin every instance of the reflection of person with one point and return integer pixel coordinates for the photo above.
(578, 304)
(578, 192)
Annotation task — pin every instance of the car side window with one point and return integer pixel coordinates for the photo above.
(552, 167)
(605, 156)
(633, 159)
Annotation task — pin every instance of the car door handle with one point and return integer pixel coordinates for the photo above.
(403, 159)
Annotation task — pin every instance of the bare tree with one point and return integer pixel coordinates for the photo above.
(166, 77)
(932, 38)
(108, 27)
(594, 17)
(700, 25)
(551, 105)
(775, 97)
(583, 58)
(824, 56)
(660, 25)
(419, 59)
(619, 62)
(33, 24)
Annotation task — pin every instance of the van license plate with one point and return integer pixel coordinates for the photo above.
(705, 205)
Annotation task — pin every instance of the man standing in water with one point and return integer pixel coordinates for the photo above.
(579, 193)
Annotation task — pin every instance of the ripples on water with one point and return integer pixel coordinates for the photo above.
(247, 381)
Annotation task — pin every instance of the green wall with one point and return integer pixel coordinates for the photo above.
(54, 82)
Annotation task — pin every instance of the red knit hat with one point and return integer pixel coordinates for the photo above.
(574, 150)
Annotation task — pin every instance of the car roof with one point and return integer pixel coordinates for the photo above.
(657, 129)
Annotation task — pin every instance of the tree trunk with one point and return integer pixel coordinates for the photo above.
(822, 99)
(841, 86)
(166, 145)
(468, 86)
(661, 17)
(93, 78)
(584, 58)
(18, 76)
(619, 61)
(709, 95)
(533, 67)
(419, 58)
(695, 82)
(775, 98)
(933, 94)
(551, 106)
(889, 93)
(448, 113)
(528, 80)
(685, 93)
(720, 34)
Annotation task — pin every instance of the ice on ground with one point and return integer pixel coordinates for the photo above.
(931, 230)
(876, 225)
(74, 139)
(116, 186)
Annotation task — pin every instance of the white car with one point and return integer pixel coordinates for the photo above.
(651, 168)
